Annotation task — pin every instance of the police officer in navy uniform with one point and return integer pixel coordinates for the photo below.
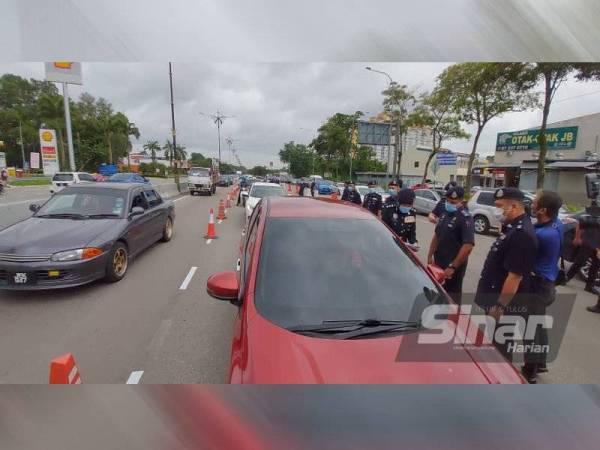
(506, 277)
(398, 213)
(351, 194)
(453, 241)
(438, 209)
(373, 200)
(390, 205)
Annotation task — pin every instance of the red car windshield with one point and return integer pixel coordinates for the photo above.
(344, 269)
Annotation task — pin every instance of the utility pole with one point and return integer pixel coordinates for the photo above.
(22, 146)
(218, 119)
(68, 126)
(173, 132)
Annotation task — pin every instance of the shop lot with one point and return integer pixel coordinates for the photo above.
(161, 321)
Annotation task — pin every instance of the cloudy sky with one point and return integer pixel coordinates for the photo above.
(273, 103)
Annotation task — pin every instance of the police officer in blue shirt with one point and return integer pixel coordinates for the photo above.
(453, 241)
(438, 209)
(398, 213)
(549, 232)
(506, 275)
(373, 200)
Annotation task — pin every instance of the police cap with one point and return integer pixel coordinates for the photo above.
(392, 184)
(509, 193)
(406, 196)
(455, 192)
(450, 184)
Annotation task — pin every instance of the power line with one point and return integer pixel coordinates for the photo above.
(577, 96)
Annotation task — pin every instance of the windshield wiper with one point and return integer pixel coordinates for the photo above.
(406, 326)
(345, 326)
(103, 216)
(63, 216)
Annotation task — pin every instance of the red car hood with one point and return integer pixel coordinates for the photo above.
(276, 355)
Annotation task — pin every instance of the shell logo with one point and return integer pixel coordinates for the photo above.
(47, 136)
(63, 65)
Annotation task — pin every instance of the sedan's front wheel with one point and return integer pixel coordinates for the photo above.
(167, 230)
(118, 261)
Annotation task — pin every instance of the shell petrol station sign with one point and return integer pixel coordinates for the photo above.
(49, 151)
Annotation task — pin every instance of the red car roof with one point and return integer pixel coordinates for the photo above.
(312, 208)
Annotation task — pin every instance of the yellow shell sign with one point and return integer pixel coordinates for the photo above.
(63, 65)
(47, 136)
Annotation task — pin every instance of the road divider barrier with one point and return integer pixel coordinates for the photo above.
(221, 215)
(210, 230)
(64, 370)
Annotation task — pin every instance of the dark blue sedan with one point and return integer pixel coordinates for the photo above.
(128, 177)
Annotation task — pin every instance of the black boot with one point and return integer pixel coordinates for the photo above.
(595, 308)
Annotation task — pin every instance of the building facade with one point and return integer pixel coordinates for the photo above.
(573, 151)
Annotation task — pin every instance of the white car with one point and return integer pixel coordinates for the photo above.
(260, 190)
(364, 190)
(61, 180)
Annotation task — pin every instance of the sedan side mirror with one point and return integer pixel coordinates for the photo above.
(136, 211)
(223, 286)
(437, 273)
(33, 207)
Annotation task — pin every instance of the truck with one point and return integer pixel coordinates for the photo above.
(203, 179)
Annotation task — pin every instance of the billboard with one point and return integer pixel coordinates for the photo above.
(446, 159)
(49, 151)
(2, 160)
(562, 138)
(64, 72)
(34, 160)
(373, 133)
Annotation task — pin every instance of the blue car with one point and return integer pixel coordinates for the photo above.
(128, 177)
(323, 187)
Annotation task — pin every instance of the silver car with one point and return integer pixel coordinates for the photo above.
(481, 206)
(425, 200)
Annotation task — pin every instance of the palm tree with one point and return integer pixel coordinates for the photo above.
(169, 152)
(180, 153)
(51, 112)
(152, 147)
(132, 130)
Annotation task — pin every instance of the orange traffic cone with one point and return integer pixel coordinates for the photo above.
(210, 231)
(221, 215)
(334, 195)
(63, 370)
(228, 203)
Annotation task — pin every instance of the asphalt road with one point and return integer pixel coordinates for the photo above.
(148, 323)
(145, 322)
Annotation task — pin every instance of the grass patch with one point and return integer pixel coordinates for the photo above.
(31, 182)
(573, 207)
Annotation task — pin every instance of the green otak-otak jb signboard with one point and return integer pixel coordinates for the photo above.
(557, 138)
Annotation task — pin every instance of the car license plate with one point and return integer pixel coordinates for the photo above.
(21, 278)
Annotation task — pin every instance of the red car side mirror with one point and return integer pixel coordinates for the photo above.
(223, 286)
(437, 272)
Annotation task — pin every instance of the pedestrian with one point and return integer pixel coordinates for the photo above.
(352, 194)
(596, 308)
(549, 231)
(373, 200)
(345, 191)
(506, 274)
(4, 176)
(586, 241)
(301, 187)
(453, 241)
(312, 188)
(438, 209)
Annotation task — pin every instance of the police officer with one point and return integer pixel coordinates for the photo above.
(398, 213)
(373, 200)
(453, 241)
(351, 194)
(438, 210)
(507, 269)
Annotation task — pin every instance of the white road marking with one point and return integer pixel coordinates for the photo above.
(188, 278)
(181, 198)
(208, 241)
(135, 377)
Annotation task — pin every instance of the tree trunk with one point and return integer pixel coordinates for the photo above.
(398, 149)
(541, 170)
(110, 156)
(472, 158)
(429, 158)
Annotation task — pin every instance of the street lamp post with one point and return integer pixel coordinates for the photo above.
(397, 143)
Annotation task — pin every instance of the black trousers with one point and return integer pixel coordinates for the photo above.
(453, 286)
(585, 252)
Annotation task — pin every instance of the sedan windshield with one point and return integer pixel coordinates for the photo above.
(198, 173)
(106, 203)
(119, 177)
(62, 177)
(266, 191)
(343, 270)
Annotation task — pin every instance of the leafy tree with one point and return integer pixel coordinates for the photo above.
(435, 113)
(150, 149)
(482, 91)
(259, 171)
(553, 75)
(398, 99)
(298, 157)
